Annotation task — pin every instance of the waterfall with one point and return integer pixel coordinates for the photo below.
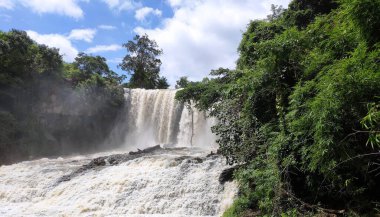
(155, 117)
(178, 179)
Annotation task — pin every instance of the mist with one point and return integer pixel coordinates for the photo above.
(50, 117)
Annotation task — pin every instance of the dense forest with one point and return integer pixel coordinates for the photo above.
(300, 115)
(52, 108)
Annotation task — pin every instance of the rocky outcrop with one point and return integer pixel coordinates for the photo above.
(147, 150)
(227, 174)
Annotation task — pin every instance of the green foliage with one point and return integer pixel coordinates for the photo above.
(301, 113)
(365, 15)
(238, 208)
(257, 32)
(36, 92)
(337, 107)
(87, 67)
(301, 13)
(371, 122)
(22, 60)
(142, 63)
(204, 93)
(182, 82)
(162, 83)
(91, 76)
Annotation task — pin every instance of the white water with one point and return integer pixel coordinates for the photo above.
(159, 185)
(155, 117)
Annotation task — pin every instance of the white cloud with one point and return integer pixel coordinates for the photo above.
(66, 49)
(175, 3)
(122, 5)
(64, 42)
(103, 48)
(107, 27)
(63, 7)
(7, 4)
(112, 3)
(204, 34)
(82, 34)
(142, 13)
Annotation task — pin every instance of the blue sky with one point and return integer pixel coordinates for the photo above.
(195, 35)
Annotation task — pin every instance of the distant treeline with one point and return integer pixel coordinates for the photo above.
(49, 107)
(301, 113)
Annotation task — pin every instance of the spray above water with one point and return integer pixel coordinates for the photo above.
(181, 180)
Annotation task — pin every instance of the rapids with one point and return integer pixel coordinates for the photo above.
(180, 179)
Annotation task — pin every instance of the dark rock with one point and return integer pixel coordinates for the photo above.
(189, 158)
(212, 154)
(227, 174)
(111, 160)
(180, 159)
(98, 162)
(198, 160)
(147, 150)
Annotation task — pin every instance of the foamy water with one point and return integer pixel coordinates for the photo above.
(171, 183)
(157, 185)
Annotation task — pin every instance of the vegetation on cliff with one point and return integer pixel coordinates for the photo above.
(301, 110)
(48, 107)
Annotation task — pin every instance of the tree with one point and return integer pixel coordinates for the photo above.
(92, 75)
(87, 67)
(276, 12)
(162, 83)
(22, 60)
(302, 12)
(182, 82)
(142, 63)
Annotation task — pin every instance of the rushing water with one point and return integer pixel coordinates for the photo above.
(171, 182)
(155, 117)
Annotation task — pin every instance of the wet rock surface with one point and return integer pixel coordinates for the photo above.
(146, 151)
(227, 174)
(189, 158)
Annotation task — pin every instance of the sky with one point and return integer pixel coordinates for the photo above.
(196, 36)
